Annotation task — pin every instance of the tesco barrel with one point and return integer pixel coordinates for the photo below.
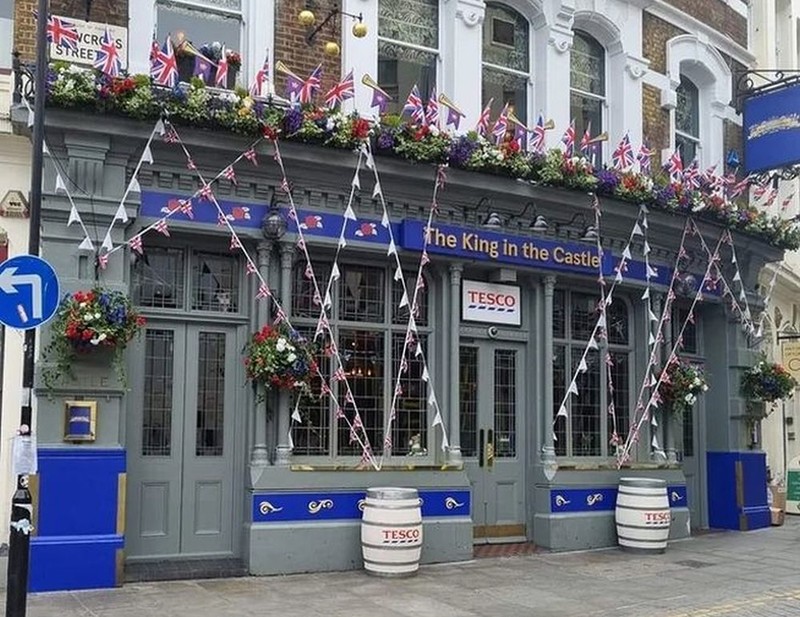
(391, 531)
(642, 515)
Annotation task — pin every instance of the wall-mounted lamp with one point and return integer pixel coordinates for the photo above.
(492, 220)
(307, 18)
(589, 232)
(538, 223)
(273, 225)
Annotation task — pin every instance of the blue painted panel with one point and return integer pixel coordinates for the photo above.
(318, 506)
(78, 491)
(240, 214)
(724, 509)
(64, 563)
(771, 126)
(599, 499)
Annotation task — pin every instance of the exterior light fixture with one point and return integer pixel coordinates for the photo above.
(538, 223)
(307, 18)
(589, 231)
(492, 220)
(273, 226)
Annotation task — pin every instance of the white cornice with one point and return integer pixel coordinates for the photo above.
(689, 24)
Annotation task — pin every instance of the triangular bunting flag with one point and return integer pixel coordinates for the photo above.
(161, 227)
(737, 277)
(398, 274)
(646, 248)
(349, 214)
(437, 419)
(392, 248)
(573, 388)
(653, 380)
(30, 118)
(404, 300)
(654, 443)
(133, 186)
(328, 301)
(653, 316)
(107, 243)
(618, 278)
(342, 242)
(626, 254)
(121, 214)
(147, 155)
(385, 219)
(74, 217)
(637, 230)
(86, 245)
(356, 182)
(592, 343)
(646, 294)
(335, 274)
(425, 375)
(60, 186)
(296, 415)
(159, 127)
(562, 412)
(582, 367)
(653, 420)
(651, 272)
(651, 339)
(376, 191)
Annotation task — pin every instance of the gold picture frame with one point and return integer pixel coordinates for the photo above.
(80, 421)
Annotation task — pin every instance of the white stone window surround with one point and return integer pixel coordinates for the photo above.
(698, 60)
(257, 37)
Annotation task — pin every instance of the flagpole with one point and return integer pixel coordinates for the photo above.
(21, 508)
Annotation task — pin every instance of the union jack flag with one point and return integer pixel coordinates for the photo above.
(235, 244)
(342, 91)
(136, 244)
(171, 136)
(261, 79)
(501, 125)
(739, 188)
(251, 267)
(164, 66)
(569, 139)
(103, 260)
(675, 166)
(432, 111)
(186, 208)
(644, 158)
(107, 60)
(339, 374)
(414, 105)
(250, 155)
(691, 175)
(622, 157)
(205, 192)
(62, 33)
(161, 227)
(483, 121)
(230, 174)
(221, 78)
(387, 442)
(586, 140)
(263, 291)
(539, 135)
(311, 85)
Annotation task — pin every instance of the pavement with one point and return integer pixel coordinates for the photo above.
(725, 574)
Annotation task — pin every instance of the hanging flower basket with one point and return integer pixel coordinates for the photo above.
(88, 322)
(683, 383)
(278, 357)
(766, 382)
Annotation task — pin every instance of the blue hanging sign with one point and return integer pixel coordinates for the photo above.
(771, 127)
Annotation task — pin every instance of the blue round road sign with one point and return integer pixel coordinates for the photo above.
(29, 294)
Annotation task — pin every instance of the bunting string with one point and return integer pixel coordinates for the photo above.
(655, 399)
(650, 273)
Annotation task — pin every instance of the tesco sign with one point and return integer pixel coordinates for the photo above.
(491, 303)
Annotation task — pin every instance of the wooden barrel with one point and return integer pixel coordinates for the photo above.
(391, 531)
(642, 515)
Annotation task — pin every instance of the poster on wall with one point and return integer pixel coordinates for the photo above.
(90, 38)
(771, 126)
(490, 303)
(790, 351)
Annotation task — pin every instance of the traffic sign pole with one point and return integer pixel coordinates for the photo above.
(21, 508)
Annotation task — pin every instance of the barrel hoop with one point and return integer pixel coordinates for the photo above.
(392, 563)
(415, 545)
(645, 540)
(376, 524)
(660, 493)
(384, 506)
(642, 482)
(663, 525)
(649, 509)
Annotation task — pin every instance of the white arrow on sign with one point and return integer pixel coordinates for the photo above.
(9, 281)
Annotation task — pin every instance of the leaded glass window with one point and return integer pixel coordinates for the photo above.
(506, 59)
(370, 329)
(587, 83)
(588, 427)
(408, 48)
(687, 120)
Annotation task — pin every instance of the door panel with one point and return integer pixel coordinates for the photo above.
(491, 407)
(180, 442)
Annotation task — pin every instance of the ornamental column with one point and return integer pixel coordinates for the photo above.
(259, 457)
(549, 463)
(283, 451)
(454, 451)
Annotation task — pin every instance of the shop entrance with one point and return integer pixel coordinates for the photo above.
(180, 437)
(491, 405)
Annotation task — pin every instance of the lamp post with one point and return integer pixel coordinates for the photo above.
(21, 508)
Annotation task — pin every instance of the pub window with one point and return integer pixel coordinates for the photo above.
(687, 120)
(692, 351)
(408, 48)
(506, 59)
(587, 80)
(588, 428)
(691, 343)
(370, 330)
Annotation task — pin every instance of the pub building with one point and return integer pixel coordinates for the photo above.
(189, 463)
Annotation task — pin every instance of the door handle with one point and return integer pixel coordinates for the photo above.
(490, 448)
(480, 448)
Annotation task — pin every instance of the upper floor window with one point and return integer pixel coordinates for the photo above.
(587, 81)
(506, 59)
(687, 120)
(408, 48)
(589, 427)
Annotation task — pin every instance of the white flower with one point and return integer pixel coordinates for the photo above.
(705, 388)
(689, 398)
(291, 357)
(281, 344)
(88, 317)
(330, 125)
(696, 381)
(97, 315)
(102, 337)
(82, 305)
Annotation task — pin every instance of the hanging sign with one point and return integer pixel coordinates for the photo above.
(90, 37)
(791, 357)
(490, 303)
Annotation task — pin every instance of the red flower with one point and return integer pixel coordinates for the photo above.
(270, 132)
(421, 133)
(360, 128)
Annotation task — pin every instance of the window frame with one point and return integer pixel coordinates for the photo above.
(602, 99)
(526, 75)
(570, 344)
(389, 328)
(696, 357)
(695, 140)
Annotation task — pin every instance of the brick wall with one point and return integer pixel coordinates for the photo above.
(718, 15)
(112, 12)
(291, 47)
(655, 34)
(655, 122)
